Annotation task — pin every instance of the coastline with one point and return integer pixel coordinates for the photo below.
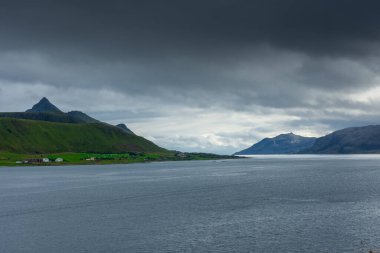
(24, 160)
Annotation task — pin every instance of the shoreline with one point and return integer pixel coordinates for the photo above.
(67, 159)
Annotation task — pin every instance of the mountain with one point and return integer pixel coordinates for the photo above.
(81, 117)
(44, 105)
(125, 128)
(353, 140)
(281, 144)
(46, 129)
(30, 136)
(44, 110)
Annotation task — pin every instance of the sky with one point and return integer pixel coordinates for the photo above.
(201, 75)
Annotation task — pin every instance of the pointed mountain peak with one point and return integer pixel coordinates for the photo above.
(44, 105)
(44, 100)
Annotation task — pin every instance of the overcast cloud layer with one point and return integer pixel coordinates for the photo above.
(211, 75)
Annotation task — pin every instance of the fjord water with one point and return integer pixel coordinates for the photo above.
(263, 204)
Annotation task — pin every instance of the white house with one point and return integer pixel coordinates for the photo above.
(59, 160)
(45, 160)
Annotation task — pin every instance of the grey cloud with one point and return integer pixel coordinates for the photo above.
(304, 59)
(266, 77)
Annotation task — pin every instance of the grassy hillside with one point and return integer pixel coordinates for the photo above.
(29, 136)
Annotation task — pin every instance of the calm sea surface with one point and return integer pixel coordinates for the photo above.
(264, 204)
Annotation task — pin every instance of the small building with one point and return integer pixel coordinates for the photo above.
(90, 159)
(180, 154)
(18, 162)
(45, 160)
(59, 160)
(33, 160)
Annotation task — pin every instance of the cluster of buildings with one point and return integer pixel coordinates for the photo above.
(41, 160)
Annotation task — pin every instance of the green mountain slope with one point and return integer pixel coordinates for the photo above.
(29, 136)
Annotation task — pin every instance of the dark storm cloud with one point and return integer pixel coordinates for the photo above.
(327, 27)
(178, 44)
(187, 46)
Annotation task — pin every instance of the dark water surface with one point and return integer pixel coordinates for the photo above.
(265, 204)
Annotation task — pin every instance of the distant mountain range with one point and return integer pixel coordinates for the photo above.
(46, 129)
(281, 144)
(353, 140)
